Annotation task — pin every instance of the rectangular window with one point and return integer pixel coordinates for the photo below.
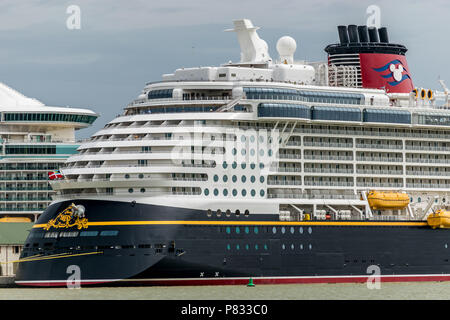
(109, 233)
(88, 233)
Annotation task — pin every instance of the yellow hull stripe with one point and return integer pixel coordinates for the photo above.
(257, 223)
(55, 256)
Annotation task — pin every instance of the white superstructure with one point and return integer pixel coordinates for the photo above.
(264, 136)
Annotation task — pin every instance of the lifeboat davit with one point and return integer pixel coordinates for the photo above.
(439, 219)
(387, 200)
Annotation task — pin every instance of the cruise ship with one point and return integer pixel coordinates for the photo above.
(35, 139)
(278, 170)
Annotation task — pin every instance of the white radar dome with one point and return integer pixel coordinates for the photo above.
(286, 47)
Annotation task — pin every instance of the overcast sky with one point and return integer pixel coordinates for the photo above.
(124, 44)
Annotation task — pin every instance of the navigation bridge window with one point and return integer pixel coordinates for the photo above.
(52, 117)
(160, 94)
(336, 113)
(300, 95)
(431, 118)
(386, 116)
(284, 110)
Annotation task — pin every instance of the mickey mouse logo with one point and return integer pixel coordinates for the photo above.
(396, 72)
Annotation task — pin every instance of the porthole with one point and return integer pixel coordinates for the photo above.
(225, 192)
(252, 165)
(266, 247)
(219, 213)
(243, 165)
(235, 192)
(247, 247)
(127, 176)
(292, 246)
(283, 246)
(243, 139)
(234, 178)
(228, 230)
(225, 178)
(261, 139)
(283, 230)
(261, 152)
(243, 179)
(209, 213)
(234, 165)
(247, 230)
(141, 176)
(252, 152)
(252, 139)
(216, 192)
(238, 230)
(228, 247)
(253, 192)
(300, 230)
(238, 213)
(270, 152)
(234, 151)
(142, 190)
(243, 152)
(252, 179)
(261, 193)
(255, 230)
(274, 230)
(130, 190)
(216, 178)
(292, 230)
(237, 247)
(261, 179)
(301, 246)
(256, 247)
(309, 230)
(224, 164)
(206, 191)
(310, 246)
(228, 213)
(244, 192)
(261, 165)
(247, 213)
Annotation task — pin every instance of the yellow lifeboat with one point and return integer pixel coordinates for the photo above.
(439, 219)
(15, 219)
(387, 200)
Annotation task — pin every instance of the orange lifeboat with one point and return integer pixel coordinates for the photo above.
(439, 219)
(387, 200)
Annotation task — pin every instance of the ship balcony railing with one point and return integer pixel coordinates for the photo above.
(328, 145)
(378, 146)
(21, 209)
(294, 143)
(25, 199)
(379, 159)
(427, 148)
(169, 164)
(289, 156)
(395, 172)
(350, 132)
(25, 189)
(379, 185)
(285, 169)
(427, 160)
(312, 196)
(186, 193)
(23, 178)
(284, 182)
(319, 157)
(389, 218)
(322, 170)
(428, 173)
(428, 185)
(328, 183)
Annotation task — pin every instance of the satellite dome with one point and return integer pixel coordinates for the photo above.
(286, 47)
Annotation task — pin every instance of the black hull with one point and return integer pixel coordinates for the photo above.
(170, 246)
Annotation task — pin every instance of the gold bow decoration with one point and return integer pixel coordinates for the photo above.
(67, 219)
